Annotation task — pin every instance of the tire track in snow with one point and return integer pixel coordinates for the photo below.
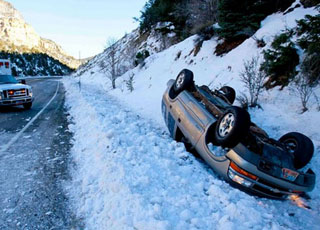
(130, 174)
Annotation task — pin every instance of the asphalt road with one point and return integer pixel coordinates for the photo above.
(34, 162)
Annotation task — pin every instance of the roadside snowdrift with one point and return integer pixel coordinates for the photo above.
(130, 175)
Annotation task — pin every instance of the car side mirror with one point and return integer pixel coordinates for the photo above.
(23, 81)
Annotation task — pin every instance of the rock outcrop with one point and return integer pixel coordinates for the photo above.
(18, 36)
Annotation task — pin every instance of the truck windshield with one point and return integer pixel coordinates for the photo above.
(7, 79)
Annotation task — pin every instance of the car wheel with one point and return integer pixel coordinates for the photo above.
(229, 93)
(232, 126)
(300, 146)
(184, 81)
(27, 105)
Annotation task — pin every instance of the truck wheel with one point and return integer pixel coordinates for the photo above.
(232, 126)
(27, 105)
(229, 93)
(300, 146)
(184, 81)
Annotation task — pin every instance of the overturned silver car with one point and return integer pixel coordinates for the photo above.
(236, 148)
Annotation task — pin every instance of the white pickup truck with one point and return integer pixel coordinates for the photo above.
(12, 92)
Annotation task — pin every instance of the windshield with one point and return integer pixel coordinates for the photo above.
(7, 79)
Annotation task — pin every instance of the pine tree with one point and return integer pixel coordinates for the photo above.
(240, 19)
(309, 30)
(156, 11)
(280, 61)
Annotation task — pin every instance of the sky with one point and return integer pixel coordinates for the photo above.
(81, 27)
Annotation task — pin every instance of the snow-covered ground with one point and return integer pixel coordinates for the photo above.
(129, 174)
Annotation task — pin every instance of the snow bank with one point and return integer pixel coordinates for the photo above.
(129, 174)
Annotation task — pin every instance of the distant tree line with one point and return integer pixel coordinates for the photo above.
(237, 19)
(36, 64)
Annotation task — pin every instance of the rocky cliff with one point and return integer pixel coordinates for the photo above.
(18, 36)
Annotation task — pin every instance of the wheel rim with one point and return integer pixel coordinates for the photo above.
(180, 81)
(291, 145)
(226, 125)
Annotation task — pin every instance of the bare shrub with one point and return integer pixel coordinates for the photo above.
(317, 100)
(130, 82)
(111, 64)
(253, 80)
(260, 42)
(243, 100)
(304, 90)
(307, 80)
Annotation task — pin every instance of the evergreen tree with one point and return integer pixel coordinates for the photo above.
(240, 19)
(309, 31)
(280, 61)
(156, 11)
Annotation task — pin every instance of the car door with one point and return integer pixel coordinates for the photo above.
(184, 109)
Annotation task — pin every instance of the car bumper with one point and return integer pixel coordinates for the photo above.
(16, 101)
(264, 184)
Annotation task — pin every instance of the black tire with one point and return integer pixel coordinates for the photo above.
(184, 81)
(300, 146)
(27, 105)
(232, 126)
(229, 93)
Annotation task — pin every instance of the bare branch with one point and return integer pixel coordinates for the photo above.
(303, 88)
(253, 79)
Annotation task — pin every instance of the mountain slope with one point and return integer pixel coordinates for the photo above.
(127, 49)
(18, 36)
(149, 178)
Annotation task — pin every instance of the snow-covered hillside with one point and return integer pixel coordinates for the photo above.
(129, 174)
(126, 50)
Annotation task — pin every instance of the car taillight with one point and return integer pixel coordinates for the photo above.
(298, 192)
(242, 172)
(7, 64)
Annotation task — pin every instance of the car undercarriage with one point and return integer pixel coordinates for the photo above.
(235, 147)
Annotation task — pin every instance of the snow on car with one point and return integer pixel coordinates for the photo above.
(237, 149)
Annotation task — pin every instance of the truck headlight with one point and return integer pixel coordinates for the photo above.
(30, 92)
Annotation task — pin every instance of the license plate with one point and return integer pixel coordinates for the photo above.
(289, 174)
